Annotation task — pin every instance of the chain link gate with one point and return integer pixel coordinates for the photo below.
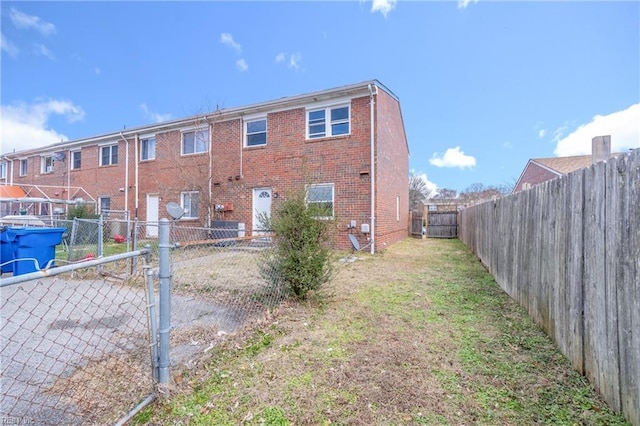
(78, 346)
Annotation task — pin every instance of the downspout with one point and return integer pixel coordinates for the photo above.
(373, 170)
(126, 173)
(241, 142)
(210, 173)
(70, 159)
(137, 163)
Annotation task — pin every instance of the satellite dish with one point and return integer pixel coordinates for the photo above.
(174, 210)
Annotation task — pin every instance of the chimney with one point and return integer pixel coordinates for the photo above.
(600, 148)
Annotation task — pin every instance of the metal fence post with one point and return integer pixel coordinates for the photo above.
(100, 249)
(151, 311)
(165, 301)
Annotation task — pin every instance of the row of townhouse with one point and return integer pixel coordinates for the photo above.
(346, 147)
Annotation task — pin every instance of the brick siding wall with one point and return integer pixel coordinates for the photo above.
(286, 164)
(533, 175)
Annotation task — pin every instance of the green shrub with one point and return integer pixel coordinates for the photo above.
(81, 211)
(302, 260)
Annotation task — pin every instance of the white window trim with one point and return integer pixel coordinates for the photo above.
(71, 159)
(195, 130)
(3, 169)
(182, 194)
(333, 199)
(146, 138)
(20, 167)
(43, 162)
(327, 119)
(101, 147)
(251, 119)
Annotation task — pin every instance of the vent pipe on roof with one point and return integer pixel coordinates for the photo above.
(600, 148)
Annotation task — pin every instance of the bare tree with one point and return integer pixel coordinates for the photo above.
(478, 192)
(418, 191)
(445, 194)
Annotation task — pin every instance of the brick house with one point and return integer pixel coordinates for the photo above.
(346, 146)
(540, 170)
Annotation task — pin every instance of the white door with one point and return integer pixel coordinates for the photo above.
(261, 208)
(153, 203)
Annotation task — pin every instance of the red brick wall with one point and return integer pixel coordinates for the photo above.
(392, 174)
(286, 164)
(289, 162)
(534, 174)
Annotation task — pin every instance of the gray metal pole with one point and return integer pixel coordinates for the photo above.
(165, 301)
(151, 313)
(100, 237)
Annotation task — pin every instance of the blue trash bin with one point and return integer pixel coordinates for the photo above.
(33, 243)
(6, 252)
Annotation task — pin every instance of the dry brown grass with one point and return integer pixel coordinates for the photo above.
(419, 334)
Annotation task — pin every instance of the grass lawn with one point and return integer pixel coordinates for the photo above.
(419, 334)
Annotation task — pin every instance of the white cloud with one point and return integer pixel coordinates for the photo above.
(293, 62)
(97, 70)
(507, 145)
(383, 6)
(462, 4)
(24, 22)
(154, 116)
(41, 49)
(623, 126)
(25, 126)
(453, 157)
(227, 40)
(242, 65)
(542, 133)
(7, 46)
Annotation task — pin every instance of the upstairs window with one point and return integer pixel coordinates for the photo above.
(23, 167)
(3, 169)
(47, 164)
(320, 200)
(195, 141)
(109, 155)
(76, 160)
(256, 132)
(326, 122)
(189, 203)
(147, 149)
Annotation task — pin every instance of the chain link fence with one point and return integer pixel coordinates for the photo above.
(76, 345)
(227, 281)
(81, 342)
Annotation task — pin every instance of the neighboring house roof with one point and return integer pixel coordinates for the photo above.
(564, 165)
(11, 191)
(556, 166)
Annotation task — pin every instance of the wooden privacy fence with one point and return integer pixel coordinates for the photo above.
(568, 251)
(416, 224)
(442, 224)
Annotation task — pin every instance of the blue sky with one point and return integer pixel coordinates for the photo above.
(483, 85)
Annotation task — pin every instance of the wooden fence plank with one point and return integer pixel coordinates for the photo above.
(595, 306)
(628, 288)
(612, 253)
(575, 269)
